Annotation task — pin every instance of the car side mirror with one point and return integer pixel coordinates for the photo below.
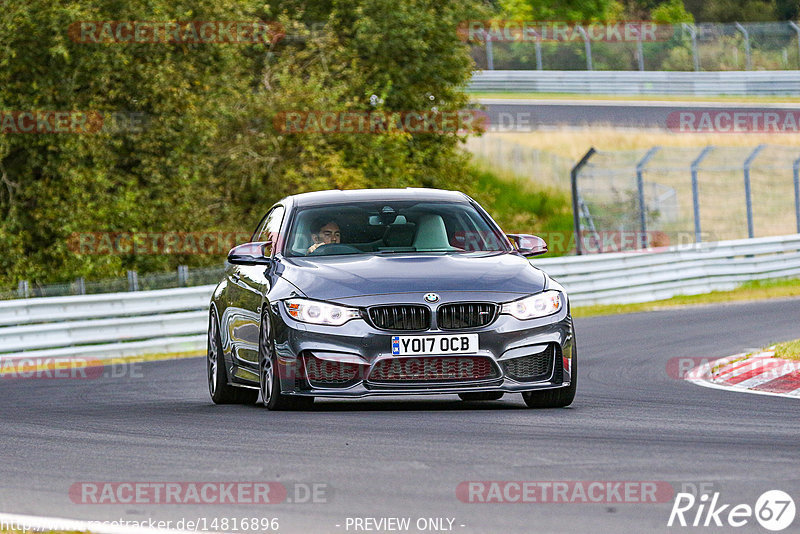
(249, 254)
(528, 245)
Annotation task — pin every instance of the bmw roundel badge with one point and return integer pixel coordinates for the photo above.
(431, 297)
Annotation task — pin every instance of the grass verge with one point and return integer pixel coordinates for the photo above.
(789, 350)
(758, 290)
(573, 143)
(519, 205)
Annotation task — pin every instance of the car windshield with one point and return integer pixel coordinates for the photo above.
(391, 227)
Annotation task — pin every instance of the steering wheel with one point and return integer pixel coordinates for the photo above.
(334, 248)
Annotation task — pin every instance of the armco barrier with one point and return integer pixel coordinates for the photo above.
(638, 83)
(107, 325)
(628, 277)
(175, 320)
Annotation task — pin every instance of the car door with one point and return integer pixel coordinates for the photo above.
(247, 284)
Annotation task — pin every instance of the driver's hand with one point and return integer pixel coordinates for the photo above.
(314, 247)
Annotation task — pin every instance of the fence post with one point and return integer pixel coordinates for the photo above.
(640, 186)
(796, 28)
(696, 192)
(23, 289)
(748, 60)
(538, 46)
(748, 198)
(796, 173)
(587, 44)
(640, 51)
(576, 215)
(489, 51)
(80, 286)
(183, 275)
(133, 281)
(693, 36)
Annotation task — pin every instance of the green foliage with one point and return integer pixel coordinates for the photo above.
(519, 207)
(209, 156)
(671, 12)
(567, 10)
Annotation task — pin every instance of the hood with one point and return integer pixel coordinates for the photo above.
(339, 277)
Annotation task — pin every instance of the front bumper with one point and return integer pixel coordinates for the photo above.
(360, 345)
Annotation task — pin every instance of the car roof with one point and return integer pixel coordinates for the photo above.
(338, 196)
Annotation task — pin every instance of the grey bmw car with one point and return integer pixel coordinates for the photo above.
(356, 293)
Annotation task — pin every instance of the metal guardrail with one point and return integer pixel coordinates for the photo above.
(107, 325)
(121, 324)
(639, 83)
(628, 277)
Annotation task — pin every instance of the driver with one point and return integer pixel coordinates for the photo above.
(324, 232)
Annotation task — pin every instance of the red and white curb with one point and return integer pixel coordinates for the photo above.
(759, 373)
(27, 523)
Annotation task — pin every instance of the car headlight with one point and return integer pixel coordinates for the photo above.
(539, 305)
(316, 312)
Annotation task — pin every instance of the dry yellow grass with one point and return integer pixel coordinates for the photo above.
(574, 142)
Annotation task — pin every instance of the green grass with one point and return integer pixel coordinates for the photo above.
(758, 290)
(790, 350)
(671, 98)
(518, 205)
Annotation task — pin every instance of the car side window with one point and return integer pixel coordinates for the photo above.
(269, 229)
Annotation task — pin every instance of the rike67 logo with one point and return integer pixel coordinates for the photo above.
(774, 510)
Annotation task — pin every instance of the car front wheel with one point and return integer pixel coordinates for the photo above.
(554, 398)
(269, 376)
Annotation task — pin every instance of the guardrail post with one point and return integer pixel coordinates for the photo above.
(576, 215)
(133, 281)
(183, 275)
(748, 199)
(796, 28)
(640, 187)
(23, 289)
(538, 47)
(587, 45)
(796, 173)
(693, 36)
(696, 192)
(489, 51)
(748, 59)
(640, 51)
(80, 286)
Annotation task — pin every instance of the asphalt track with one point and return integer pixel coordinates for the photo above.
(405, 458)
(529, 114)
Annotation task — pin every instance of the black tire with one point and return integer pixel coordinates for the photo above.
(555, 398)
(269, 376)
(482, 396)
(222, 392)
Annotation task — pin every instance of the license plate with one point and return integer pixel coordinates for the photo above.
(452, 344)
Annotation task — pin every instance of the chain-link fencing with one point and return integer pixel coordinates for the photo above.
(676, 47)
